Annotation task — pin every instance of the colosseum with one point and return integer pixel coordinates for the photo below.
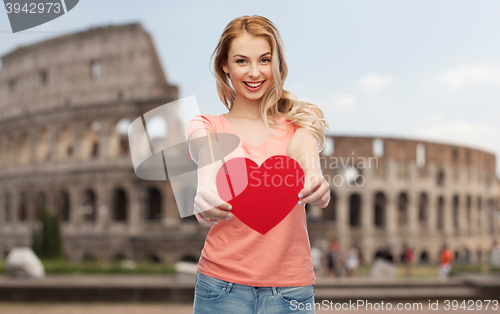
(66, 104)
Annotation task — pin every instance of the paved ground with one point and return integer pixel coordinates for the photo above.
(96, 308)
(170, 308)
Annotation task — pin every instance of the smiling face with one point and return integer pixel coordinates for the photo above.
(249, 66)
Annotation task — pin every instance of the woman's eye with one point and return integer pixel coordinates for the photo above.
(266, 60)
(240, 61)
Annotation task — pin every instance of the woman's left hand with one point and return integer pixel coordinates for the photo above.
(316, 190)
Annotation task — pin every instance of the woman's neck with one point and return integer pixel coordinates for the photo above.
(245, 108)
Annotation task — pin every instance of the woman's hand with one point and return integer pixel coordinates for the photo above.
(316, 190)
(303, 147)
(209, 207)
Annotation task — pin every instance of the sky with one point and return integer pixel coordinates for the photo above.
(426, 70)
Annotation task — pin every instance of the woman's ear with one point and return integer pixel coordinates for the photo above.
(224, 68)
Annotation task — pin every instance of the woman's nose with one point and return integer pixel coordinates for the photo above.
(254, 71)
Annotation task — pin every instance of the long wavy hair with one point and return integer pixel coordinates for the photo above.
(276, 101)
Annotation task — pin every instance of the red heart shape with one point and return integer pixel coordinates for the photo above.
(263, 196)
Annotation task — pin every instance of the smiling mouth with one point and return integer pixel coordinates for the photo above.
(253, 85)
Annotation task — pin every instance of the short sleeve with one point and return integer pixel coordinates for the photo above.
(198, 122)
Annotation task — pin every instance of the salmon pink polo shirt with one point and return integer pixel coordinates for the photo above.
(235, 252)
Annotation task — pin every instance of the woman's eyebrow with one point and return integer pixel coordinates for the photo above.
(242, 56)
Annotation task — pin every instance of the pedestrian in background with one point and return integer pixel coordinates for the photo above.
(495, 255)
(352, 261)
(407, 259)
(446, 258)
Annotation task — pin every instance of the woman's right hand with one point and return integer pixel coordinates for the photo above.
(209, 207)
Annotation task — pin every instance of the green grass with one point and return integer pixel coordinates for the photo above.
(97, 267)
(430, 271)
(64, 267)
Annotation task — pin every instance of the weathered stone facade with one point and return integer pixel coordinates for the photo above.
(413, 192)
(62, 104)
(64, 101)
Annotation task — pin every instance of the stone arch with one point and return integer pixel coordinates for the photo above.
(190, 258)
(330, 212)
(188, 195)
(361, 256)
(119, 256)
(424, 257)
(354, 176)
(154, 204)
(355, 210)
(89, 205)
(119, 138)
(89, 257)
(440, 213)
(91, 140)
(11, 151)
(491, 216)
(63, 206)
(402, 217)
(43, 146)
(44, 77)
(479, 212)
(95, 68)
(469, 210)
(378, 147)
(23, 207)
(380, 202)
(120, 205)
(153, 258)
(66, 142)
(41, 203)
(420, 155)
(7, 206)
(24, 149)
(440, 178)
(423, 204)
(456, 212)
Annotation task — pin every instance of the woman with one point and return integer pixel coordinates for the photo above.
(241, 270)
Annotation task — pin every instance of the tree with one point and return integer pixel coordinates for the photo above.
(47, 242)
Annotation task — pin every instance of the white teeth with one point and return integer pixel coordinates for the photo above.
(254, 84)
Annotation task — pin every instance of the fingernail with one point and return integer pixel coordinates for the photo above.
(229, 216)
(230, 207)
(300, 202)
(300, 195)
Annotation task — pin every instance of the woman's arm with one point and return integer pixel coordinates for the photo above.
(206, 154)
(208, 206)
(303, 147)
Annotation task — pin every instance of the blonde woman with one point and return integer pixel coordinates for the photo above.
(241, 270)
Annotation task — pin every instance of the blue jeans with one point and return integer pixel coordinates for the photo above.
(216, 296)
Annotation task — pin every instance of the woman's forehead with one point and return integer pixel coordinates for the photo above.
(249, 46)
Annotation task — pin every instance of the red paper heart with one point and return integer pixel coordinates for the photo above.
(263, 196)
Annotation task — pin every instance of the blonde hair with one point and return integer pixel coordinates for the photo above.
(276, 101)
